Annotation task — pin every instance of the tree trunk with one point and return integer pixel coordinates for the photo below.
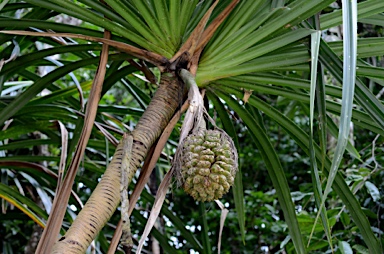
(105, 198)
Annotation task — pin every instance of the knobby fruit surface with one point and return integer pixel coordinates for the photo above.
(208, 164)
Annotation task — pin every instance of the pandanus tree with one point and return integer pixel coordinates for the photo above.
(236, 52)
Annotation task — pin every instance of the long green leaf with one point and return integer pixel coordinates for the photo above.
(26, 144)
(75, 10)
(26, 205)
(340, 186)
(321, 105)
(14, 7)
(366, 47)
(370, 71)
(287, 17)
(144, 32)
(241, 54)
(39, 85)
(42, 24)
(204, 231)
(377, 20)
(322, 111)
(360, 118)
(146, 11)
(228, 38)
(101, 8)
(275, 170)
(29, 59)
(187, 9)
(238, 17)
(200, 9)
(60, 94)
(270, 62)
(315, 42)
(72, 102)
(364, 96)
(349, 70)
(333, 130)
(3, 4)
(366, 9)
(162, 12)
(316, 182)
(140, 96)
(284, 81)
(17, 130)
(174, 18)
(238, 192)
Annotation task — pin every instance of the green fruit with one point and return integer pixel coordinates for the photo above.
(208, 164)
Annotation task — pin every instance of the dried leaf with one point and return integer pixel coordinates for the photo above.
(59, 207)
(159, 200)
(149, 164)
(193, 40)
(63, 156)
(149, 75)
(211, 29)
(194, 117)
(223, 216)
(247, 94)
(208, 33)
(148, 56)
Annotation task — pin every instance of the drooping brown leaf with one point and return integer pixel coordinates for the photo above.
(159, 200)
(108, 135)
(193, 105)
(24, 164)
(115, 238)
(191, 43)
(145, 174)
(146, 71)
(148, 56)
(149, 165)
(211, 29)
(105, 128)
(223, 216)
(208, 33)
(59, 207)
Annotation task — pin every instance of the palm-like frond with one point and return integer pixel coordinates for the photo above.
(260, 48)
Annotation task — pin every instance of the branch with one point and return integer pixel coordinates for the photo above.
(151, 57)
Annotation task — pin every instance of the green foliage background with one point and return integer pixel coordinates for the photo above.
(263, 46)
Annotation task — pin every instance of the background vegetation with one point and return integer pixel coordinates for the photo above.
(260, 87)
